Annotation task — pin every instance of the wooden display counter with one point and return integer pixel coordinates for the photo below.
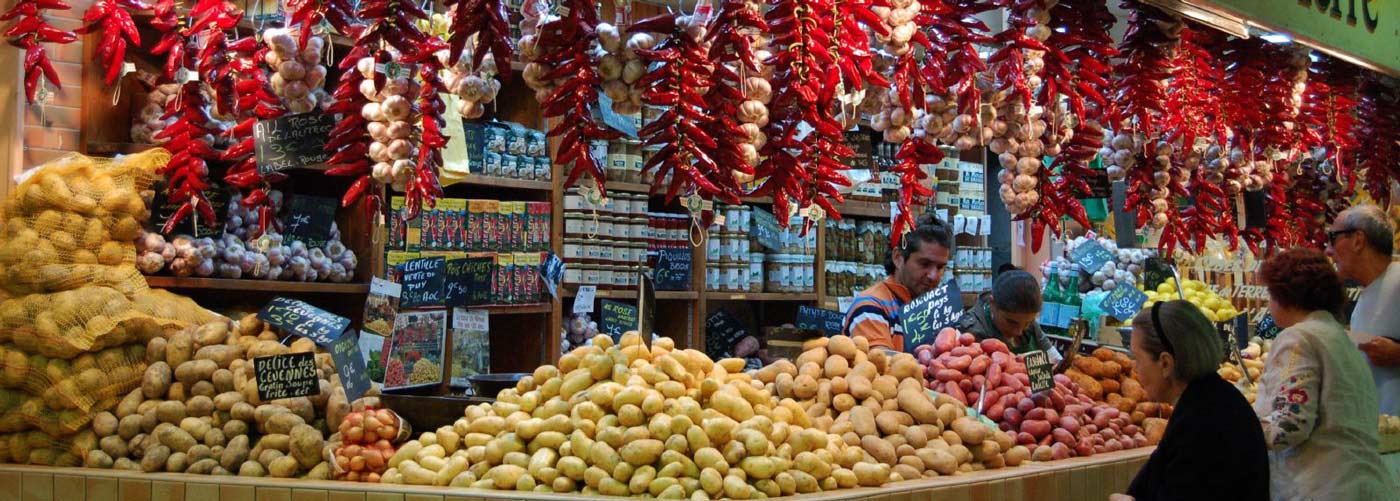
(1071, 479)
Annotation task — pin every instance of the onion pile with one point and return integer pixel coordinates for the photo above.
(298, 75)
(390, 116)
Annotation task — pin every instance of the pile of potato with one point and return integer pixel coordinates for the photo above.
(198, 411)
(1253, 357)
(876, 401)
(631, 420)
(960, 367)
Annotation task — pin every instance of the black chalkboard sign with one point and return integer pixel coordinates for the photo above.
(292, 141)
(309, 219)
(766, 230)
(1155, 272)
(422, 281)
(923, 317)
(1123, 303)
(286, 376)
(162, 210)
(552, 272)
(350, 364)
(468, 281)
(1234, 330)
(1099, 184)
(1267, 328)
(722, 330)
(672, 270)
(1124, 221)
(862, 143)
(302, 319)
(1041, 372)
(617, 318)
(1256, 209)
(1091, 256)
(827, 321)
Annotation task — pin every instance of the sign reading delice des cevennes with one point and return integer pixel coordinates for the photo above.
(923, 317)
(286, 376)
(292, 141)
(422, 281)
(302, 319)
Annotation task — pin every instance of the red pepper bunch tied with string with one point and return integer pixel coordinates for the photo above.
(29, 32)
(187, 173)
(348, 142)
(853, 23)
(113, 19)
(1197, 127)
(487, 21)
(173, 40)
(1019, 145)
(1148, 49)
(1378, 125)
(254, 100)
(805, 142)
(904, 107)
(955, 32)
(736, 80)
(687, 153)
(1258, 99)
(211, 18)
(1329, 120)
(424, 186)
(565, 44)
(309, 13)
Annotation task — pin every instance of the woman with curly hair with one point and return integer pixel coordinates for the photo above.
(1317, 402)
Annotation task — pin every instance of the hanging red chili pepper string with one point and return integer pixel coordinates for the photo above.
(29, 33)
(113, 19)
(1378, 124)
(308, 14)
(254, 100)
(1330, 125)
(1197, 127)
(736, 79)
(349, 140)
(906, 104)
(564, 48)
(486, 20)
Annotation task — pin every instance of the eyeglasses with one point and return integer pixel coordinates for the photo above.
(1332, 235)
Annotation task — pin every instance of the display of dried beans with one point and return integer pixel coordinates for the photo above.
(805, 142)
(740, 94)
(29, 31)
(113, 19)
(1378, 124)
(1198, 129)
(564, 66)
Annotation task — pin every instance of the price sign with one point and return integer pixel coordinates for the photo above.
(552, 272)
(162, 210)
(286, 376)
(468, 281)
(1123, 303)
(292, 142)
(1256, 209)
(1267, 328)
(617, 318)
(722, 330)
(765, 229)
(1057, 315)
(1155, 272)
(1040, 370)
(304, 320)
(422, 281)
(350, 364)
(1091, 256)
(1099, 184)
(923, 317)
(309, 219)
(583, 300)
(818, 319)
(672, 269)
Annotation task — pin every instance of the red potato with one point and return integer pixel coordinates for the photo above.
(960, 363)
(1001, 358)
(954, 391)
(996, 412)
(975, 350)
(965, 385)
(972, 397)
(978, 380)
(1131, 430)
(994, 375)
(966, 339)
(1013, 382)
(1012, 416)
(1037, 414)
(1059, 451)
(1024, 438)
(959, 351)
(1063, 436)
(1101, 420)
(1085, 447)
(946, 340)
(1037, 428)
(979, 364)
(1070, 424)
(994, 346)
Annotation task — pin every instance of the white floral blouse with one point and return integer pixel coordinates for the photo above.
(1317, 403)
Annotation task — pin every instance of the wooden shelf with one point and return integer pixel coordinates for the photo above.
(631, 294)
(642, 188)
(761, 296)
(228, 284)
(103, 149)
(505, 182)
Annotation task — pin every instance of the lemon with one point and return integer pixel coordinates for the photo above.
(1166, 288)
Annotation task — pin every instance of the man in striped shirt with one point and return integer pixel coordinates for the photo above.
(915, 267)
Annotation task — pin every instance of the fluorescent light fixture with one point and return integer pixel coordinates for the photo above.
(1276, 38)
(1204, 14)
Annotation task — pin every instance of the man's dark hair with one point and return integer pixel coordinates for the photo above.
(1016, 291)
(927, 229)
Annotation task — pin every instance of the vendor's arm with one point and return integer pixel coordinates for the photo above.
(1288, 410)
(1382, 351)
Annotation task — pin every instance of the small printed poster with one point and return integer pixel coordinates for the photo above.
(471, 345)
(381, 306)
(373, 347)
(415, 354)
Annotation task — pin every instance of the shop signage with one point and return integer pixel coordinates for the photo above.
(765, 229)
(722, 330)
(1091, 256)
(1156, 271)
(286, 376)
(163, 209)
(468, 281)
(617, 318)
(923, 317)
(1041, 372)
(672, 269)
(1267, 328)
(297, 317)
(350, 364)
(818, 319)
(422, 281)
(292, 142)
(1363, 29)
(1124, 302)
(552, 272)
(309, 219)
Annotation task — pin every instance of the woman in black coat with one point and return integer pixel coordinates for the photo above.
(1213, 447)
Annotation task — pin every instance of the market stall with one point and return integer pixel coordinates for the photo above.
(524, 250)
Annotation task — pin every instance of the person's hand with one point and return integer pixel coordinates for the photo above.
(1120, 497)
(1383, 351)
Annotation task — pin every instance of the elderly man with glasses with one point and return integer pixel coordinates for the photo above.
(1361, 242)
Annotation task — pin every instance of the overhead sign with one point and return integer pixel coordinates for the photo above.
(1366, 30)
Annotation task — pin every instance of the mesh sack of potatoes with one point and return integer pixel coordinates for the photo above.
(36, 447)
(632, 420)
(88, 381)
(66, 324)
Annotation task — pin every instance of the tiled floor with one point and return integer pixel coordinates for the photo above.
(1092, 478)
